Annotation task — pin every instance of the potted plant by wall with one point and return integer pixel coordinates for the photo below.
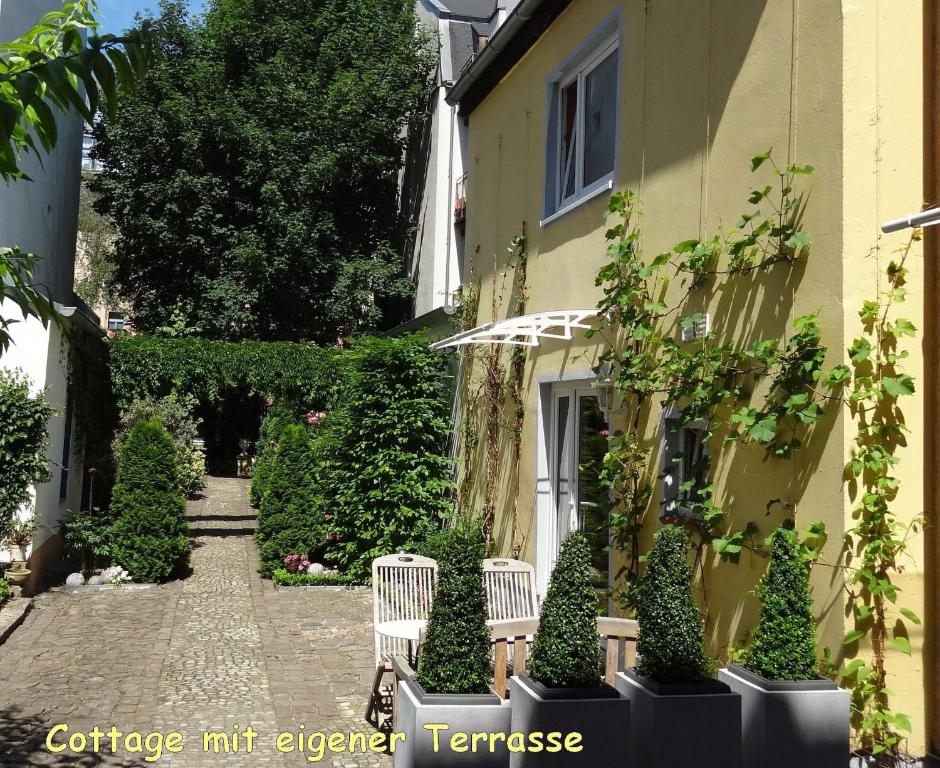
(20, 537)
(681, 715)
(562, 690)
(790, 715)
(452, 686)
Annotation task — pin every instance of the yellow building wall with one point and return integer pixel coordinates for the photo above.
(705, 85)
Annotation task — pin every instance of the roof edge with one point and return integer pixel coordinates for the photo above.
(521, 30)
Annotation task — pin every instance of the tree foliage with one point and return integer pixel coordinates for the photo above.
(59, 65)
(784, 644)
(455, 657)
(566, 650)
(23, 441)
(253, 177)
(670, 645)
(149, 536)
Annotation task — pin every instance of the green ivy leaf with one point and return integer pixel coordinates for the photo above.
(765, 430)
(852, 636)
(860, 350)
(758, 160)
(910, 615)
(902, 644)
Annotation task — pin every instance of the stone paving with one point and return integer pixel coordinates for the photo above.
(218, 650)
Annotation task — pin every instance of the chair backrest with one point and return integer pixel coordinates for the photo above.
(402, 588)
(510, 590)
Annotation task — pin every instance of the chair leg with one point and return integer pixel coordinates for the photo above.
(372, 711)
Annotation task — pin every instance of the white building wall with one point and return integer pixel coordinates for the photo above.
(41, 216)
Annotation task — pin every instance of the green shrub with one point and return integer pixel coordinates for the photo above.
(566, 650)
(86, 537)
(438, 544)
(23, 441)
(455, 657)
(285, 578)
(4, 591)
(670, 645)
(784, 645)
(278, 419)
(291, 519)
(390, 473)
(149, 536)
(175, 413)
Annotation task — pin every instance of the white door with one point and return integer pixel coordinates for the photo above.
(580, 502)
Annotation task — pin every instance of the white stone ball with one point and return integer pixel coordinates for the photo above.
(316, 568)
(75, 580)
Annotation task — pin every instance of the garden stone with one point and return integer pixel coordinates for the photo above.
(316, 568)
(97, 580)
(75, 580)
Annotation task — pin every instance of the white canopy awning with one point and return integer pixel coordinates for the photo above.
(524, 331)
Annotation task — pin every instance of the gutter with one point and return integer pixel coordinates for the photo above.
(502, 49)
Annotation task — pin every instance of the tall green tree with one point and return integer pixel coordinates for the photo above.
(253, 178)
(59, 65)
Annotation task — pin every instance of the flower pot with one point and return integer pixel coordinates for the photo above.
(601, 715)
(683, 725)
(803, 723)
(18, 577)
(485, 713)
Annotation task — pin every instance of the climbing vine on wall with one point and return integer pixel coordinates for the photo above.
(766, 392)
(876, 546)
(499, 385)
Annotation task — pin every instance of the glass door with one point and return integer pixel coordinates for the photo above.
(581, 502)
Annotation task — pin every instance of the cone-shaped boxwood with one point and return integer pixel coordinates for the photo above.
(290, 521)
(566, 649)
(455, 657)
(670, 644)
(784, 645)
(150, 533)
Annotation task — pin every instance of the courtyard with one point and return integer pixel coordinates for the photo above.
(219, 649)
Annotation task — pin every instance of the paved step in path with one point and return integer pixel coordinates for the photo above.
(220, 650)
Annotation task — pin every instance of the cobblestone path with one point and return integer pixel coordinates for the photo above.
(218, 650)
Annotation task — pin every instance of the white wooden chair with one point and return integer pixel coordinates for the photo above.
(402, 592)
(510, 590)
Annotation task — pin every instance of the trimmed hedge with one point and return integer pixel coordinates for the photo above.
(4, 591)
(670, 645)
(285, 578)
(150, 534)
(148, 366)
(278, 419)
(566, 652)
(784, 645)
(389, 474)
(455, 657)
(290, 520)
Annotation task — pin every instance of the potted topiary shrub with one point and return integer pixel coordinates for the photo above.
(150, 533)
(790, 715)
(681, 715)
(562, 690)
(452, 686)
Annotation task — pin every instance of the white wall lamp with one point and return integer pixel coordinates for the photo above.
(923, 219)
(605, 387)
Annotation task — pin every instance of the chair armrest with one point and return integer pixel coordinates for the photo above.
(401, 667)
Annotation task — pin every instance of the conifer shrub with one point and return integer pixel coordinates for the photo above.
(566, 649)
(455, 657)
(784, 644)
(278, 419)
(670, 645)
(291, 518)
(150, 533)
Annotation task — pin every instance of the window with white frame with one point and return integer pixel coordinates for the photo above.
(583, 128)
(685, 467)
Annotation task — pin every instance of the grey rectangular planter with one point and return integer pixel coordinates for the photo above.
(601, 716)
(682, 726)
(802, 723)
(462, 713)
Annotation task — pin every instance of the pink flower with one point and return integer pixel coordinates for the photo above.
(604, 433)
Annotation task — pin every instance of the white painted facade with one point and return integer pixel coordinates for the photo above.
(40, 216)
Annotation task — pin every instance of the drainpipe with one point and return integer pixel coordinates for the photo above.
(931, 347)
(450, 209)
